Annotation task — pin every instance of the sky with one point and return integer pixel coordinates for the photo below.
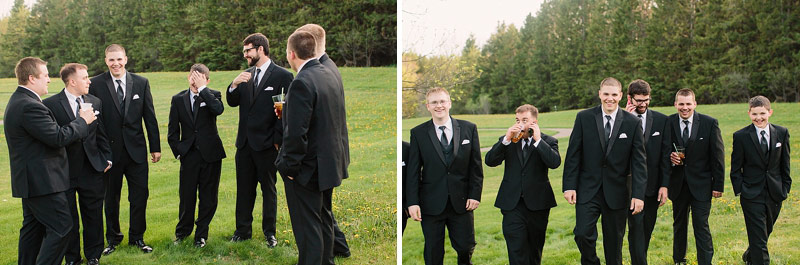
(6, 5)
(442, 26)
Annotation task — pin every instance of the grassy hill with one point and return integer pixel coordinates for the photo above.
(367, 221)
(726, 220)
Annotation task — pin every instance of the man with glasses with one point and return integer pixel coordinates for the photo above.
(445, 179)
(259, 137)
(657, 146)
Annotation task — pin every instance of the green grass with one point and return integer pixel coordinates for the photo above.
(364, 205)
(726, 220)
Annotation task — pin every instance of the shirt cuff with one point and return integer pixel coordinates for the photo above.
(506, 141)
(231, 89)
(536, 144)
(201, 89)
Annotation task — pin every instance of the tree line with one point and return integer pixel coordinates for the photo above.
(725, 50)
(171, 35)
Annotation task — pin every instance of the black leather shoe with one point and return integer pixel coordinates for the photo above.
(74, 262)
(200, 243)
(345, 254)
(271, 241)
(141, 245)
(746, 257)
(179, 239)
(93, 262)
(109, 249)
(237, 238)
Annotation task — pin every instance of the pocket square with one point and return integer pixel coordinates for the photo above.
(623, 136)
(778, 145)
(656, 134)
(202, 104)
(466, 141)
(135, 96)
(269, 88)
(701, 138)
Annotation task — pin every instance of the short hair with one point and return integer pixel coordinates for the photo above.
(610, 81)
(258, 40)
(318, 32)
(26, 67)
(528, 108)
(684, 92)
(115, 48)
(638, 87)
(759, 101)
(69, 69)
(436, 90)
(303, 44)
(201, 68)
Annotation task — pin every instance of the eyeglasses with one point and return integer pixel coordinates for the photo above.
(248, 49)
(441, 102)
(641, 100)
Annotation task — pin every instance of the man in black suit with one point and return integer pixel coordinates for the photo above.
(88, 159)
(525, 196)
(340, 247)
(128, 102)
(445, 179)
(657, 146)
(605, 173)
(695, 178)
(406, 146)
(193, 137)
(259, 136)
(39, 167)
(311, 159)
(760, 174)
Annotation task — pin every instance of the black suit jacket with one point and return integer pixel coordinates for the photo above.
(431, 182)
(93, 147)
(752, 171)
(311, 153)
(258, 125)
(593, 161)
(328, 63)
(124, 126)
(658, 147)
(187, 129)
(36, 146)
(406, 147)
(703, 167)
(525, 178)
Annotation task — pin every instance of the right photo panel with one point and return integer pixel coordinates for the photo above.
(600, 132)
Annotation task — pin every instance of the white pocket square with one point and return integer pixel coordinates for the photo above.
(202, 104)
(466, 141)
(701, 138)
(269, 88)
(623, 136)
(135, 96)
(656, 134)
(778, 145)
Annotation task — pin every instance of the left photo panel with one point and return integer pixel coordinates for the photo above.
(198, 132)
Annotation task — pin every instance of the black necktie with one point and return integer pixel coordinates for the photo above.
(196, 104)
(685, 131)
(443, 139)
(608, 127)
(526, 149)
(255, 86)
(641, 119)
(764, 145)
(120, 94)
(78, 109)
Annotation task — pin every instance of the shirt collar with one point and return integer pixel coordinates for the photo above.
(690, 119)
(303, 64)
(758, 130)
(264, 66)
(613, 114)
(37, 95)
(70, 96)
(448, 124)
(122, 79)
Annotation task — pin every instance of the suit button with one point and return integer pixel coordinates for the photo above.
(195, 131)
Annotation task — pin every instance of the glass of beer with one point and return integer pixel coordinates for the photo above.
(278, 101)
(520, 134)
(681, 153)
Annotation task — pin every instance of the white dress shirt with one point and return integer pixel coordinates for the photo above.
(448, 132)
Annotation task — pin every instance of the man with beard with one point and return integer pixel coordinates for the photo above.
(259, 137)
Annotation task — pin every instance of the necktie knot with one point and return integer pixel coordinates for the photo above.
(444, 135)
(608, 117)
(763, 133)
(686, 122)
(639, 115)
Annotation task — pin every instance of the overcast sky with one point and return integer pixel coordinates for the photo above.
(6, 5)
(442, 26)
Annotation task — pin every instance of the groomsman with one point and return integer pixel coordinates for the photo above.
(259, 135)
(340, 247)
(525, 196)
(38, 163)
(128, 104)
(445, 179)
(696, 177)
(194, 140)
(760, 174)
(657, 146)
(406, 146)
(88, 159)
(605, 173)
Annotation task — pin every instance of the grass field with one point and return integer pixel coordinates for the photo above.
(364, 205)
(726, 220)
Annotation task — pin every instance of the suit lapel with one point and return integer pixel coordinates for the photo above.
(187, 102)
(598, 117)
(695, 127)
(614, 131)
(128, 93)
(676, 130)
(62, 97)
(648, 126)
(456, 136)
(756, 142)
(773, 140)
(261, 82)
(112, 91)
(435, 141)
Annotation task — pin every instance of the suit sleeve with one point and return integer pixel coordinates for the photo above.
(785, 167)
(717, 158)
(150, 121)
(233, 97)
(39, 124)
(638, 163)
(213, 101)
(548, 150)
(476, 168)
(737, 160)
(102, 139)
(174, 128)
(497, 154)
(299, 107)
(413, 178)
(572, 163)
(664, 164)
(278, 138)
